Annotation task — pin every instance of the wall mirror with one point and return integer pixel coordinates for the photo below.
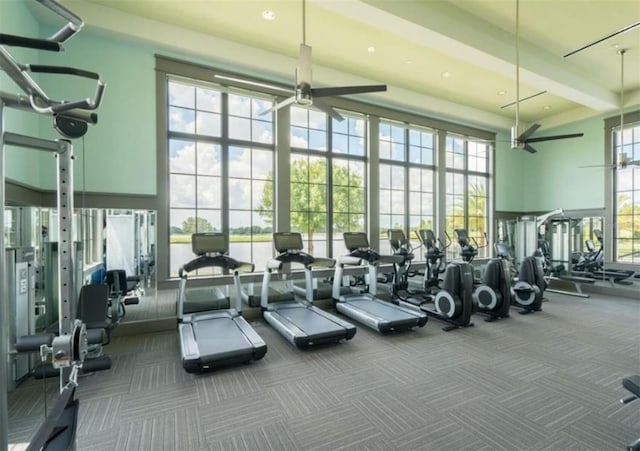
(104, 239)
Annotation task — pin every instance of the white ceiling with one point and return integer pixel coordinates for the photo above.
(416, 41)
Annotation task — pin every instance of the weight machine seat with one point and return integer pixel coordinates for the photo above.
(93, 306)
(632, 383)
(218, 338)
(305, 325)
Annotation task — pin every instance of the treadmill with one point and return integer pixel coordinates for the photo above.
(365, 307)
(300, 322)
(218, 336)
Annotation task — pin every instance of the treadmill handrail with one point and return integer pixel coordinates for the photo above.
(296, 257)
(217, 261)
(348, 260)
(321, 262)
(367, 254)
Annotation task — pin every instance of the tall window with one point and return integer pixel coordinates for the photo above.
(406, 180)
(328, 186)
(347, 179)
(627, 194)
(309, 195)
(467, 191)
(220, 155)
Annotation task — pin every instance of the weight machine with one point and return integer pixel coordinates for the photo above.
(70, 119)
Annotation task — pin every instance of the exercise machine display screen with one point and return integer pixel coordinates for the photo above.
(356, 240)
(205, 243)
(463, 237)
(396, 235)
(427, 237)
(287, 241)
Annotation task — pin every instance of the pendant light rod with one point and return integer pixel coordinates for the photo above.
(621, 52)
(304, 22)
(517, 65)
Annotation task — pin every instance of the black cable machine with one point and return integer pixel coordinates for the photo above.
(70, 119)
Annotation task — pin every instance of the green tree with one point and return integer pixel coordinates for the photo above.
(193, 225)
(476, 212)
(309, 198)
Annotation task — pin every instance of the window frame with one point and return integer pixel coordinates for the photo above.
(372, 113)
(610, 158)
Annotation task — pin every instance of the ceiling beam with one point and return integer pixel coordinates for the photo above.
(446, 28)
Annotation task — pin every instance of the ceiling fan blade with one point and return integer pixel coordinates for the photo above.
(552, 138)
(279, 105)
(304, 66)
(528, 132)
(529, 149)
(327, 109)
(599, 166)
(252, 83)
(345, 90)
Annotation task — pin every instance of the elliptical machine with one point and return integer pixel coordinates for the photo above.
(527, 292)
(493, 292)
(435, 257)
(453, 303)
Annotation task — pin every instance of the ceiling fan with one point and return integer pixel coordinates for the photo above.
(521, 139)
(303, 92)
(623, 159)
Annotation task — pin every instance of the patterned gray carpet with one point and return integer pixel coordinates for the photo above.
(547, 381)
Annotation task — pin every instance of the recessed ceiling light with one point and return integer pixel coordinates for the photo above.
(615, 46)
(371, 49)
(268, 15)
(502, 92)
(546, 107)
(445, 74)
(408, 62)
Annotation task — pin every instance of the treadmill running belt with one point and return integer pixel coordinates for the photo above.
(381, 310)
(220, 338)
(310, 322)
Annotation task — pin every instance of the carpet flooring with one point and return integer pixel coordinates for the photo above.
(545, 381)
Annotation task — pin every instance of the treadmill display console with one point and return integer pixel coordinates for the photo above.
(206, 243)
(356, 240)
(287, 241)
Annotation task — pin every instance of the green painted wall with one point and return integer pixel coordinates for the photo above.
(553, 179)
(21, 166)
(509, 169)
(120, 151)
